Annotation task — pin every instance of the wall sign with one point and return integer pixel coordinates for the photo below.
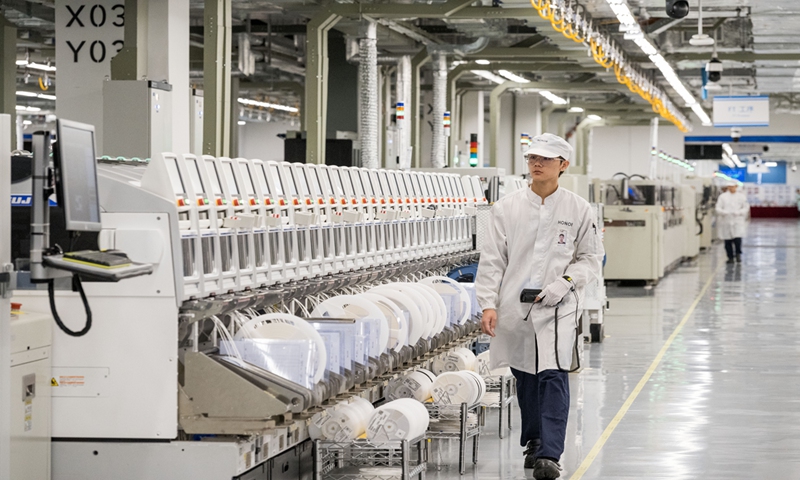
(741, 111)
(88, 34)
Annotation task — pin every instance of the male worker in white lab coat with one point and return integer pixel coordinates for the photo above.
(539, 238)
(732, 210)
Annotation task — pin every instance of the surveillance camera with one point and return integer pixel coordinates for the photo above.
(714, 70)
(677, 8)
(736, 134)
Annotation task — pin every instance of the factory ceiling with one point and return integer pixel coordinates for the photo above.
(755, 40)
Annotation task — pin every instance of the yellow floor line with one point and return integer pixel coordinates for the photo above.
(587, 462)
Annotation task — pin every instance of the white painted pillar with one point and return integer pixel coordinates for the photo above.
(5, 305)
(654, 148)
(472, 118)
(528, 120)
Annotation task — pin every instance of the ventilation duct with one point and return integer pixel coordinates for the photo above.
(438, 143)
(368, 78)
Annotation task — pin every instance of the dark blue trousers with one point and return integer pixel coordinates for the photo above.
(544, 404)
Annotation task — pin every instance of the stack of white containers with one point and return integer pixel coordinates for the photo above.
(402, 419)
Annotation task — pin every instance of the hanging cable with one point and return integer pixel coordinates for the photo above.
(76, 283)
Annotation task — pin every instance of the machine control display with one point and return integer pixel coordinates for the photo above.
(232, 185)
(194, 176)
(175, 176)
(216, 185)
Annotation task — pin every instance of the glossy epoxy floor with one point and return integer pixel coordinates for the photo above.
(723, 403)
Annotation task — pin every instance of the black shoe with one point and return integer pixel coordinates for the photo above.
(739, 258)
(546, 469)
(730, 260)
(530, 453)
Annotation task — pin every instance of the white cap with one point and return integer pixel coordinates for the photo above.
(550, 146)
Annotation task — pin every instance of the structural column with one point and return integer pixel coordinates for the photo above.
(417, 62)
(8, 70)
(217, 77)
(316, 85)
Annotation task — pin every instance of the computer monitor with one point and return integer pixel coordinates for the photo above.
(76, 176)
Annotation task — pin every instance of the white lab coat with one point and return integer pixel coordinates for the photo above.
(732, 210)
(523, 248)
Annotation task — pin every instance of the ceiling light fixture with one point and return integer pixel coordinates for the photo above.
(241, 122)
(770, 164)
(43, 96)
(36, 66)
(594, 117)
(552, 97)
(272, 106)
(513, 76)
(489, 76)
(629, 24)
(23, 108)
(483, 62)
(575, 110)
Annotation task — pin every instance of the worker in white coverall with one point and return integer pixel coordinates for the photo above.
(539, 238)
(732, 210)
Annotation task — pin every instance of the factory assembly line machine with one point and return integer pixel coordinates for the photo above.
(651, 226)
(147, 392)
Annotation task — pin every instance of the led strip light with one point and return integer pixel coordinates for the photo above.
(669, 158)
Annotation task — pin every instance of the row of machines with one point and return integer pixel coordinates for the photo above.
(650, 227)
(229, 239)
(246, 223)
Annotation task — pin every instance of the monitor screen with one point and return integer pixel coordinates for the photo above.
(303, 182)
(175, 175)
(262, 180)
(323, 181)
(277, 178)
(232, 185)
(336, 182)
(292, 182)
(348, 187)
(365, 180)
(312, 177)
(194, 175)
(213, 174)
(77, 174)
(248, 179)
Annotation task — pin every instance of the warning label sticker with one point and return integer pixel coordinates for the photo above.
(53, 382)
(71, 380)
